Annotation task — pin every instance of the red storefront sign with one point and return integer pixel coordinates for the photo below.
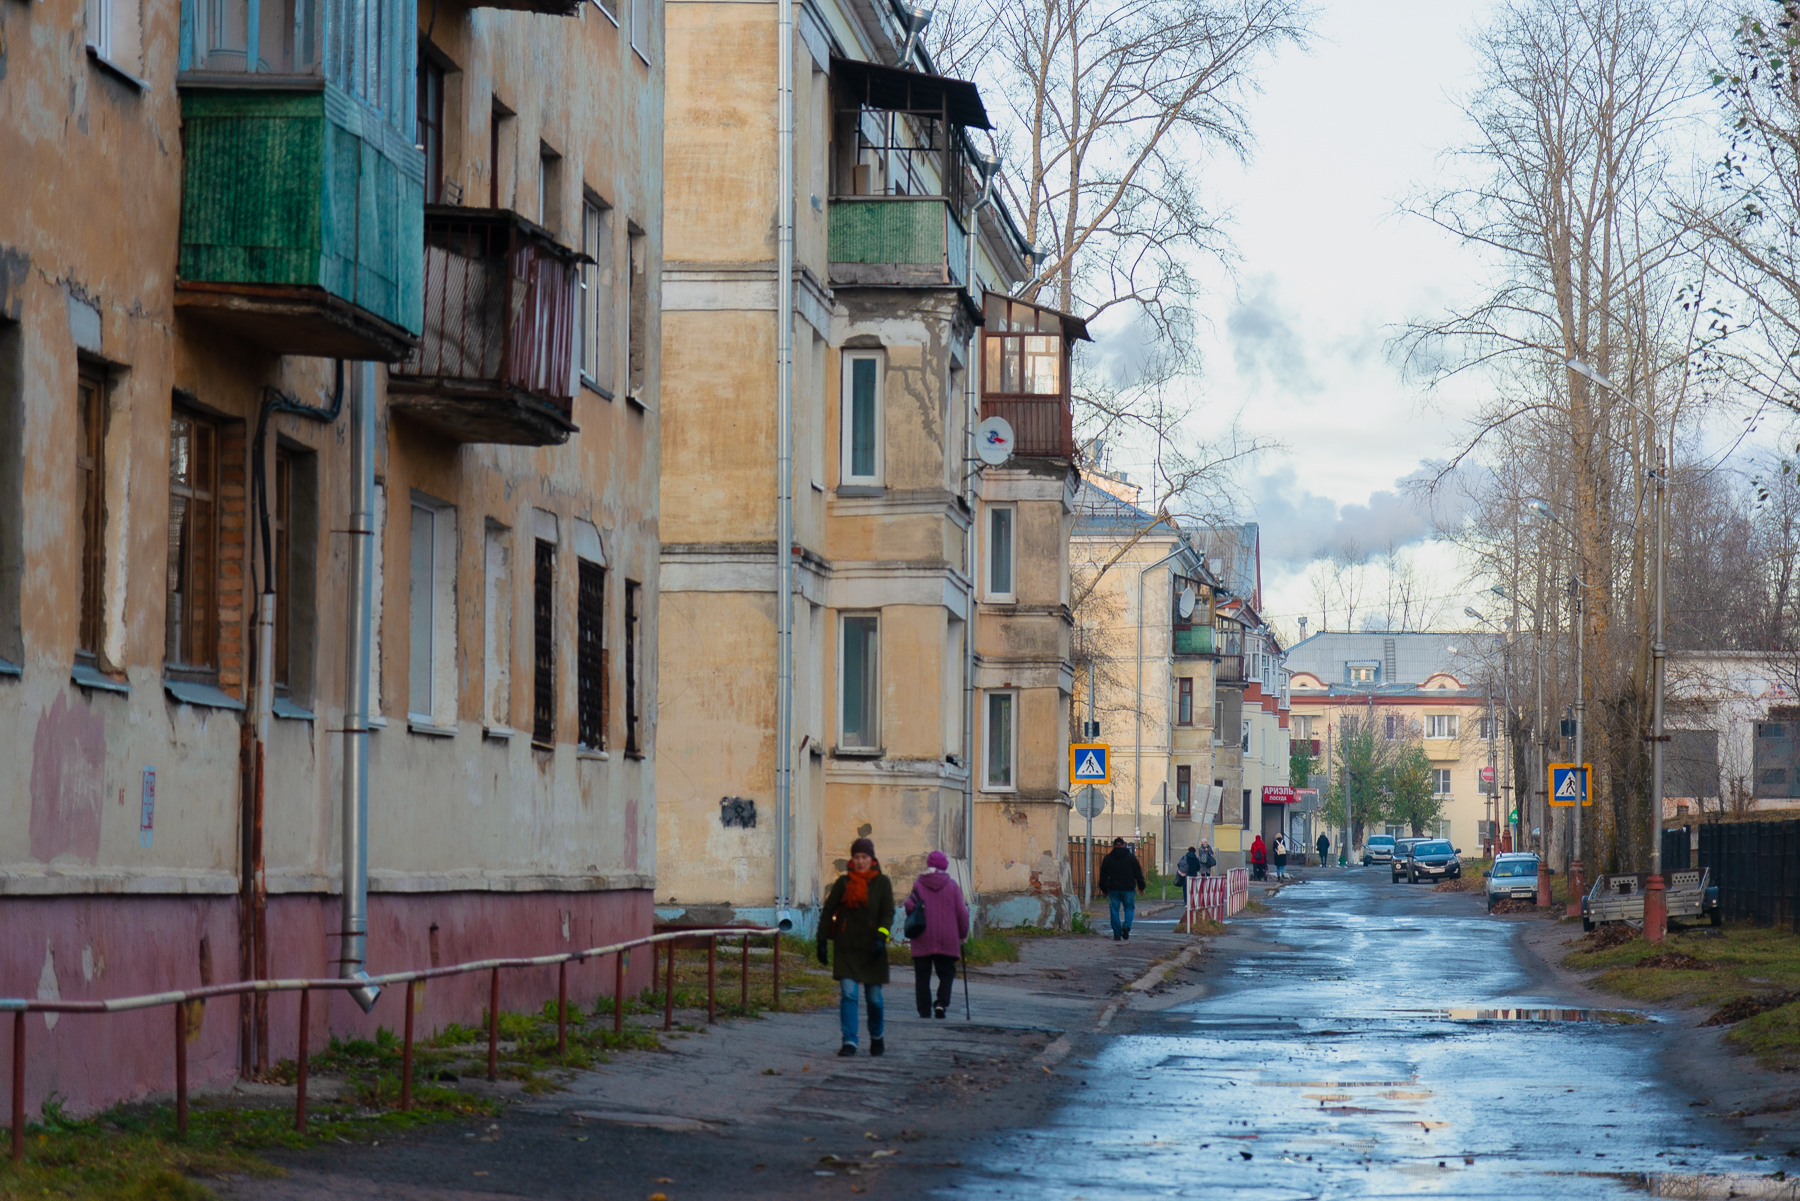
(1280, 794)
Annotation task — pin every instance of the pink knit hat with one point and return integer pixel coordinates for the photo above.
(938, 860)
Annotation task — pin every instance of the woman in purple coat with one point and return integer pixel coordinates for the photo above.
(939, 945)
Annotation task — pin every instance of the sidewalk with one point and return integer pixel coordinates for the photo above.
(765, 1107)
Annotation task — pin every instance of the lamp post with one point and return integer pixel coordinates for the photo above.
(1577, 591)
(1656, 900)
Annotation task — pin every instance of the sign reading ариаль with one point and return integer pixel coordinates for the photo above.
(1090, 763)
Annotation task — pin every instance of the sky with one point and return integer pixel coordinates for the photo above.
(1296, 336)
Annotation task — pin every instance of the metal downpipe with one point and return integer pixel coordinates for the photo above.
(352, 960)
(784, 463)
(971, 545)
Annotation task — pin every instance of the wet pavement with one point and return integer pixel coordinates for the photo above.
(1370, 1040)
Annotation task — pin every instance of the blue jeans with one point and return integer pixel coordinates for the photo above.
(847, 991)
(1121, 899)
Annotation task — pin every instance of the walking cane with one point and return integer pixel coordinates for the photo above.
(965, 976)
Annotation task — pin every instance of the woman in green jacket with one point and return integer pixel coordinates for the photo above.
(855, 919)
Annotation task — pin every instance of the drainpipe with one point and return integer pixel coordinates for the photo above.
(988, 168)
(352, 962)
(784, 461)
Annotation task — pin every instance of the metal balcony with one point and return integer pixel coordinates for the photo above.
(896, 241)
(1193, 640)
(496, 360)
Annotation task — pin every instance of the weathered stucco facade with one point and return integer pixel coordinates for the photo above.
(883, 481)
(153, 317)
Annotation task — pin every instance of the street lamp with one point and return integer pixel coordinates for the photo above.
(1656, 902)
(1542, 508)
(1506, 685)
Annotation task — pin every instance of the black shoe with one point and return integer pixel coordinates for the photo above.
(938, 1012)
(1127, 936)
(847, 1050)
(877, 1046)
(1117, 936)
(925, 1013)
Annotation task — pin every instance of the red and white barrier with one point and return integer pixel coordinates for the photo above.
(1218, 897)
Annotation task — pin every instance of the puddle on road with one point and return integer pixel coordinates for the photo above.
(1614, 1017)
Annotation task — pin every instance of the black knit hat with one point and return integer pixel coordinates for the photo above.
(862, 846)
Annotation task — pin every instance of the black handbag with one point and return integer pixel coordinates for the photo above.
(915, 919)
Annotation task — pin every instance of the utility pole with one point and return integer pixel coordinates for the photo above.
(1656, 899)
(1576, 591)
(1537, 768)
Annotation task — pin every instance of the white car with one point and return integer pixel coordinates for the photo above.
(1379, 849)
(1513, 877)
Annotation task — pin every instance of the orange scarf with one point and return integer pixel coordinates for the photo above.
(856, 886)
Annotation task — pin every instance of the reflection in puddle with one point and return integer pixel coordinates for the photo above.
(1610, 1016)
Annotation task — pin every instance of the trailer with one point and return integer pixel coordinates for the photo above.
(1620, 898)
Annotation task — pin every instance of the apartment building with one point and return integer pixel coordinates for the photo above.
(329, 429)
(926, 708)
(1428, 685)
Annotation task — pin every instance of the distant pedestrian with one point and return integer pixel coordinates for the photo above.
(1281, 851)
(937, 947)
(854, 923)
(1187, 868)
(1259, 859)
(1121, 879)
(1324, 848)
(1208, 860)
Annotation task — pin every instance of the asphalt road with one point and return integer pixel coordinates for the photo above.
(1348, 1045)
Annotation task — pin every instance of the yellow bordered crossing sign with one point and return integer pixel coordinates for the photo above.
(1569, 781)
(1090, 763)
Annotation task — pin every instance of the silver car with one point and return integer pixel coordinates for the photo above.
(1514, 877)
(1378, 849)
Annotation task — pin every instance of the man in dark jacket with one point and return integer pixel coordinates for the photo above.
(1121, 879)
(853, 924)
(1324, 846)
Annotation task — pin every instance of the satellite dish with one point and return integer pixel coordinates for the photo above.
(994, 441)
(1185, 603)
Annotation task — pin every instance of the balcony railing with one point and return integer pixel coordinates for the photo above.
(1231, 667)
(496, 361)
(1041, 428)
(1193, 640)
(909, 241)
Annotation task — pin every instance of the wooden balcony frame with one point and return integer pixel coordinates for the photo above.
(1043, 423)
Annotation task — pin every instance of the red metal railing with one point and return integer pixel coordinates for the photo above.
(500, 298)
(1043, 427)
(670, 936)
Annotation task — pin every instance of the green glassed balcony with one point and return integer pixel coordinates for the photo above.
(1194, 640)
(896, 241)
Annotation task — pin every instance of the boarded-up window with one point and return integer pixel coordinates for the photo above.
(590, 654)
(543, 641)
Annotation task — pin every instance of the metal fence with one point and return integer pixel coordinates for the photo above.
(706, 937)
(1755, 864)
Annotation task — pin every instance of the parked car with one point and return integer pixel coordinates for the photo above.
(1378, 849)
(1513, 877)
(1401, 846)
(1432, 859)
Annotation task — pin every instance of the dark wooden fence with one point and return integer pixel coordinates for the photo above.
(1755, 864)
(1144, 847)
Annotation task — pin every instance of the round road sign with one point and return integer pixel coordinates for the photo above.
(1089, 802)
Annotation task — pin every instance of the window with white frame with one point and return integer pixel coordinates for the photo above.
(497, 625)
(1001, 520)
(1218, 726)
(431, 676)
(597, 321)
(1000, 715)
(1487, 728)
(1440, 781)
(859, 658)
(1440, 725)
(643, 12)
(861, 422)
(114, 33)
(1244, 740)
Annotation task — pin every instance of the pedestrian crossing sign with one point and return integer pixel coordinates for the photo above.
(1569, 781)
(1090, 763)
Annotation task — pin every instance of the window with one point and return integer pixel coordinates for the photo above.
(1245, 740)
(642, 13)
(12, 491)
(634, 669)
(1362, 673)
(1440, 781)
(282, 522)
(499, 131)
(1218, 726)
(637, 346)
(860, 710)
(431, 673)
(496, 625)
(590, 654)
(1002, 713)
(1024, 349)
(90, 467)
(114, 33)
(1000, 546)
(549, 197)
(543, 644)
(286, 42)
(431, 124)
(191, 620)
(1184, 701)
(952, 702)
(1184, 790)
(1487, 729)
(1440, 725)
(597, 327)
(610, 8)
(862, 449)
(295, 537)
